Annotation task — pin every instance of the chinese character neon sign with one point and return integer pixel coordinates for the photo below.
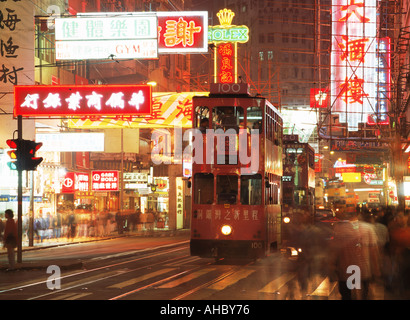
(226, 37)
(105, 180)
(226, 69)
(182, 32)
(354, 60)
(82, 100)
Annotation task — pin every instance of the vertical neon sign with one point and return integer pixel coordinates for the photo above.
(226, 37)
(354, 60)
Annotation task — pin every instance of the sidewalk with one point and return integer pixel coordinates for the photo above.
(75, 263)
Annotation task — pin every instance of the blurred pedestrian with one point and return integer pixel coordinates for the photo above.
(57, 222)
(354, 246)
(72, 226)
(400, 253)
(1, 229)
(10, 237)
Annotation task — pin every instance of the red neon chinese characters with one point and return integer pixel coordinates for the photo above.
(353, 89)
(351, 8)
(180, 32)
(226, 68)
(353, 50)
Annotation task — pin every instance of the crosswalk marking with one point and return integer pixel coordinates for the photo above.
(139, 279)
(184, 261)
(71, 296)
(324, 289)
(231, 279)
(78, 296)
(275, 285)
(187, 278)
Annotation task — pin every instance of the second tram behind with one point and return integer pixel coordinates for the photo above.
(236, 174)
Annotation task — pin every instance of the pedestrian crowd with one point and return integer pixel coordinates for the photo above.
(71, 225)
(365, 248)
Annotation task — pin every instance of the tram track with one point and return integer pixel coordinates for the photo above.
(89, 272)
(170, 273)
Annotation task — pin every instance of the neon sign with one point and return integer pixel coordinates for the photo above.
(105, 180)
(68, 100)
(104, 37)
(226, 37)
(226, 62)
(142, 26)
(354, 60)
(319, 98)
(383, 90)
(182, 32)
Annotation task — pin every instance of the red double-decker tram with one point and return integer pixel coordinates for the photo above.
(298, 183)
(236, 174)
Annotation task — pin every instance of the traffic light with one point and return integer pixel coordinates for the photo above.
(23, 151)
(27, 156)
(13, 154)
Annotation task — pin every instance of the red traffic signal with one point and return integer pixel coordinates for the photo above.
(24, 153)
(13, 154)
(27, 156)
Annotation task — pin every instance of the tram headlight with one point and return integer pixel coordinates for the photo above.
(226, 230)
(286, 219)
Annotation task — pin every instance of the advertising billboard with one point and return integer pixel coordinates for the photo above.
(82, 100)
(131, 36)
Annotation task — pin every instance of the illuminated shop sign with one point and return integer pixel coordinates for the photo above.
(319, 98)
(354, 60)
(72, 141)
(228, 34)
(226, 37)
(169, 110)
(82, 100)
(383, 89)
(107, 37)
(105, 180)
(106, 27)
(74, 181)
(182, 32)
(226, 62)
(107, 49)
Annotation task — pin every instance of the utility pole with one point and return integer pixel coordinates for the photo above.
(20, 197)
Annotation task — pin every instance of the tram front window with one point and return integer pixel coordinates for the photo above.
(227, 189)
(251, 187)
(203, 188)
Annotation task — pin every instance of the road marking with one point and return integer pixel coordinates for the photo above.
(324, 289)
(275, 285)
(72, 296)
(186, 260)
(231, 279)
(141, 278)
(187, 278)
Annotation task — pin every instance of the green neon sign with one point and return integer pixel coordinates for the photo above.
(228, 34)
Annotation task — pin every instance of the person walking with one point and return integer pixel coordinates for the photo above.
(354, 255)
(10, 237)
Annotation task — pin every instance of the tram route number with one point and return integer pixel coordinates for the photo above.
(256, 245)
(230, 88)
